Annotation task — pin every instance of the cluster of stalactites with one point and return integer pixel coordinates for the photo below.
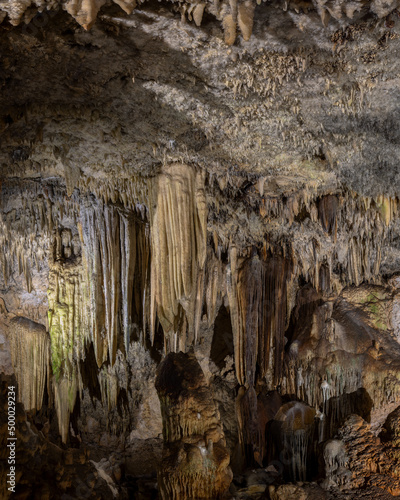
(317, 387)
(26, 227)
(29, 345)
(17, 252)
(296, 425)
(233, 14)
(84, 11)
(343, 231)
(178, 253)
(116, 257)
(257, 292)
(132, 192)
(93, 298)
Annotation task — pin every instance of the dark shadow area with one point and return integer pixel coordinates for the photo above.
(222, 342)
(156, 350)
(337, 409)
(89, 373)
(300, 323)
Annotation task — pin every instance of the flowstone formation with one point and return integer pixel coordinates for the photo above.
(195, 462)
(201, 200)
(179, 235)
(29, 346)
(294, 424)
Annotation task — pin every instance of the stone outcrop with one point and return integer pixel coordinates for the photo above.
(359, 459)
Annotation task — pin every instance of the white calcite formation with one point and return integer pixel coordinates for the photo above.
(178, 244)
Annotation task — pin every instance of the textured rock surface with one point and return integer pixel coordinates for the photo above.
(362, 459)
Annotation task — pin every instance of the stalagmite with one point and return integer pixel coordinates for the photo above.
(29, 344)
(195, 461)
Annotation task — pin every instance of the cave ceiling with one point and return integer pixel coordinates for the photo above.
(307, 100)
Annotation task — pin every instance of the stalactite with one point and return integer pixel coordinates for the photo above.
(232, 292)
(215, 285)
(84, 11)
(251, 304)
(29, 345)
(116, 255)
(178, 235)
(93, 263)
(295, 424)
(327, 208)
(250, 432)
(65, 393)
(258, 304)
(108, 231)
(108, 386)
(245, 18)
(128, 262)
(69, 332)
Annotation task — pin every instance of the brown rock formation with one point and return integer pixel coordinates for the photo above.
(195, 461)
(29, 346)
(359, 459)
